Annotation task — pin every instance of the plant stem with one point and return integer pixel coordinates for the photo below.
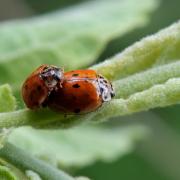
(25, 161)
(28, 117)
(144, 80)
(159, 95)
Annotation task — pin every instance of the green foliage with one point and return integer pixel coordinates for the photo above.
(32, 175)
(78, 146)
(7, 103)
(146, 75)
(151, 51)
(72, 38)
(6, 174)
(141, 81)
(158, 86)
(25, 162)
(7, 100)
(9, 171)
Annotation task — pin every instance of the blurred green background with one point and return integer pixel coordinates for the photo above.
(159, 156)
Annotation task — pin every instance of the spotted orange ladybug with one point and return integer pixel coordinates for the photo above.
(82, 91)
(79, 91)
(39, 84)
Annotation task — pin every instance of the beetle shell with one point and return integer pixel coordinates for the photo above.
(39, 84)
(82, 91)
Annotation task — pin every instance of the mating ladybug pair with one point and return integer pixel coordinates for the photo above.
(78, 91)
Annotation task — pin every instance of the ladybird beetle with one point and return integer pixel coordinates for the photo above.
(81, 91)
(39, 84)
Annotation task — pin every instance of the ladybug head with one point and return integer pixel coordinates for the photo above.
(52, 76)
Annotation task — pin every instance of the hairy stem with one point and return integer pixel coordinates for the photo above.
(157, 96)
(141, 81)
(24, 161)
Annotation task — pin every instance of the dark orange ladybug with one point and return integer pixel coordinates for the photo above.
(81, 91)
(39, 84)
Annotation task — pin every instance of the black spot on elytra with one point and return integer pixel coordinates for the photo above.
(76, 86)
(39, 88)
(77, 110)
(75, 75)
(31, 96)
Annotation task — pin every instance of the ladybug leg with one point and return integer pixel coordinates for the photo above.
(44, 104)
(65, 115)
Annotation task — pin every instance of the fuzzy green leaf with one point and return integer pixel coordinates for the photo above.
(78, 146)
(7, 103)
(151, 51)
(157, 86)
(11, 171)
(32, 175)
(7, 174)
(147, 76)
(72, 38)
(7, 100)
